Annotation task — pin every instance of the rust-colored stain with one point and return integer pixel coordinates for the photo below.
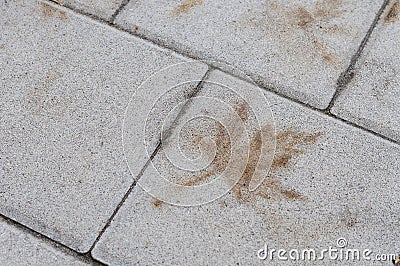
(243, 110)
(135, 28)
(289, 144)
(313, 22)
(62, 15)
(186, 7)
(49, 11)
(322, 10)
(157, 203)
(304, 17)
(287, 147)
(220, 162)
(394, 13)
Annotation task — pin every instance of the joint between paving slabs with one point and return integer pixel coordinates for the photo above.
(326, 111)
(347, 76)
(342, 82)
(167, 133)
(156, 150)
(53, 243)
(119, 9)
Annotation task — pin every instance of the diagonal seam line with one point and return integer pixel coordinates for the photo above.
(86, 257)
(53, 243)
(193, 57)
(119, 9)
(348, 74)
(154, 153)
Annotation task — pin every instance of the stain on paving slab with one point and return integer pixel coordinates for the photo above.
(311, 20)
(289, 144)
(42, 99)
(394, 13)
(186, 7)
(49, 11)
(322, 10)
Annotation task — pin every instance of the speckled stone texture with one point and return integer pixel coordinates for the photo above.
(18, 247)
(65, 83)
(100, 8)
(372, 99)
(328, 181)
(298, 48)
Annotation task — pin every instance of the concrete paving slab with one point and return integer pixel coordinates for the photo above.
(17, 247)
(328, 182)
(102, 9)
(65, 84)
(298, 48)
(372, 99)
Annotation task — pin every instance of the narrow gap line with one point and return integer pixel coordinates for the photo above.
(119, 9)
(86, 257)
(348, 74)
(364, 129)
(54, 243)
(126, 195)
(167, 133)
(321, 111)
(269, 89)
(157, 149)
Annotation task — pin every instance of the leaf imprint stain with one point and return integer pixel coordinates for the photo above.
(285, 22)
(394, 13)
(322, 10)
(186, 7)
(288, 146)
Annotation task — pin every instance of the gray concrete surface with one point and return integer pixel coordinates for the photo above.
(372, 99)
(328, 180)
(65, 83)
(101, 9)
(84, 103)
(298, 48)
(18, 247)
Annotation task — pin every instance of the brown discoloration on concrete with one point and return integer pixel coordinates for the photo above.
(62, 15)
(304, 17)
(186, 7)
(220, 162)
(57, 2)
(157, 203)
(288, 147)
(49, 11)
(243, 110)
(297, 24)
(394, 13)
(289, 144)
(272, 189)
(135, 28)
